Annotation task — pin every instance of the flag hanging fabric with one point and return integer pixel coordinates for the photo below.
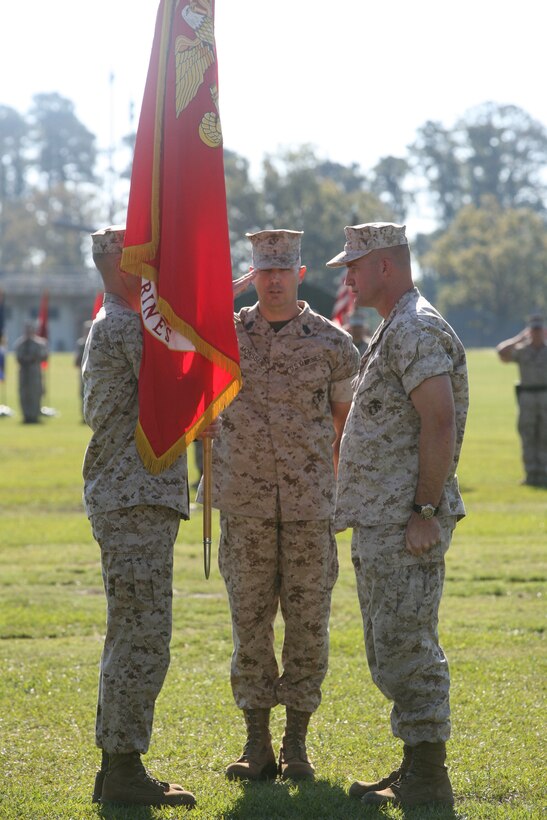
(177, 239)
(343, 304)
(42, 328)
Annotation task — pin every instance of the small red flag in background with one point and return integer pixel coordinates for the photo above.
(177, 239)
(43, 317)
(344, 303)
(97, 304)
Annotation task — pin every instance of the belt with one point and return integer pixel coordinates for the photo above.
(530, 388)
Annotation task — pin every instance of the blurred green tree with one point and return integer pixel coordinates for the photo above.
(497, 150)
(490, 270)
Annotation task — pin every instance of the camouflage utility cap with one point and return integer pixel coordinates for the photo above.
(108, 240)
(535, 321)
(275, 249)
(362, 239)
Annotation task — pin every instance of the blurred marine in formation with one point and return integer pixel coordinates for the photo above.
(274, 464)
(397, 488)
(135, 518)
(78, 358)
(30, 351)
(359, 330)
(529, 350)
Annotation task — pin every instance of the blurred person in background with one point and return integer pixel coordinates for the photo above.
(528, 349)
(30, 351)
(359, 330)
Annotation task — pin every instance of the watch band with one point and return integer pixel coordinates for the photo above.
(419, 508)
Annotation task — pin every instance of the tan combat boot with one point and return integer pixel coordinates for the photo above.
(101, 773)
(99, 778)
(425, 781)
(258, 760)
(294, 763)
(127, 781)
(361, 787)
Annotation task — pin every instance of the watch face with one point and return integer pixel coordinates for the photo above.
(428, 511)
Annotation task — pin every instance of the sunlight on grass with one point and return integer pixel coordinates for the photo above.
(52, 615)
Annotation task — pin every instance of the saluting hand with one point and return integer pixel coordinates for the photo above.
(240, 285)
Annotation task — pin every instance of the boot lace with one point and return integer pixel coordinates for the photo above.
(143, 774)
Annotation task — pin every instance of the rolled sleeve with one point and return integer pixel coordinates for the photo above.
(430, 359)
(342, 390)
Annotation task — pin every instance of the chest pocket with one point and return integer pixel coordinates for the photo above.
(305, 379)
(371, 390)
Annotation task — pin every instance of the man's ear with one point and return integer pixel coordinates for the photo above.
(301, 272)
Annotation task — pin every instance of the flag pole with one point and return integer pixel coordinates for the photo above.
(207, 471)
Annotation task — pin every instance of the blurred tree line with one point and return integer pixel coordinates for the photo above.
(481, 183)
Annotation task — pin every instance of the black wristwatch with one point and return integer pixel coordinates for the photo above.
(426, 511)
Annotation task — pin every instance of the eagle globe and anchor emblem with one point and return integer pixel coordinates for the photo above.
(193, 58)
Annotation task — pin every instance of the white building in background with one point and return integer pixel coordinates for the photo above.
(71, 297)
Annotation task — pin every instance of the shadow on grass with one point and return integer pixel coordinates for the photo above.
(118, 811)
(319, 800)
(273, 800)
(435, 812)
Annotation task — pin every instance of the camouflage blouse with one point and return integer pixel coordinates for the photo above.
(378, 469)
(532, 362)
(114, 475)
(273, 457)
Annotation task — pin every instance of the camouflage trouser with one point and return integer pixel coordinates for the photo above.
(532, 426)
(399, 597)
(137, 562)
(30, 391)
(269, 563)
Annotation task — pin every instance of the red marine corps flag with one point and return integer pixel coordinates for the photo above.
(177, 239)
(43, 320)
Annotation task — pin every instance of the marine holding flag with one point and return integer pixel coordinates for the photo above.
(183, 351)
(135, 518)
(274, 462)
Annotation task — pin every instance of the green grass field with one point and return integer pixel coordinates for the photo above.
(52, 619)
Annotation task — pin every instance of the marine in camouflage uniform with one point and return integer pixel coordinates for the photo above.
(135, 518)
(408, 412)
(274, 483)
(31, 351)
(529, 350)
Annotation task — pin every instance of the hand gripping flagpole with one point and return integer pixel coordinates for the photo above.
(207, 473)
